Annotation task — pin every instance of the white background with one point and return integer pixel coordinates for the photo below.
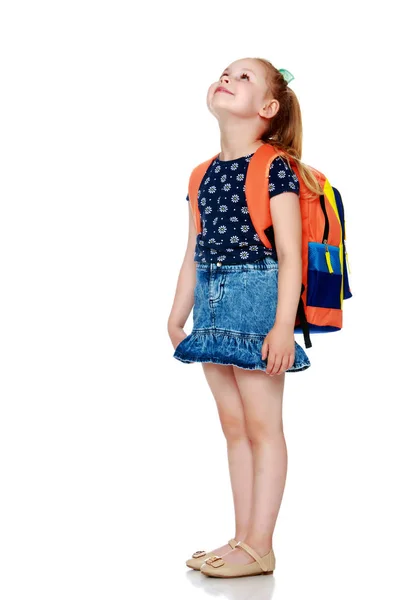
(113, 465)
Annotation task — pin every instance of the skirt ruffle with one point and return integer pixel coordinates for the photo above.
(227, 348)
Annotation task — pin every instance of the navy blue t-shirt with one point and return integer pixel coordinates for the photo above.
(228, 235)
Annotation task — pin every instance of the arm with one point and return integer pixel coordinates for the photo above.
(279, 343)
(184, 294)
(286, 218)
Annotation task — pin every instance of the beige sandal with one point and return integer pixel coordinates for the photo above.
(200, 556)
(216, 566)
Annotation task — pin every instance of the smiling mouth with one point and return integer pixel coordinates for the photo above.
(223, 90)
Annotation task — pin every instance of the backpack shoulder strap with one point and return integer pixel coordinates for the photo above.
(257, 191)
(195, 180)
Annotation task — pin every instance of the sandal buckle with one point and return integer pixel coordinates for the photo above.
(214, 559)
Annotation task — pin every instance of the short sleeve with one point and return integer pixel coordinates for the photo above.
(282, 178)
(187, 197)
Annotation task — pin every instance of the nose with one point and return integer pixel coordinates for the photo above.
(223, 79)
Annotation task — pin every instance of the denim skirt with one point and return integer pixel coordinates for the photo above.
(234, 309)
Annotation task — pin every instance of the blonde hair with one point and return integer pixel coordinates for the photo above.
(285, 128)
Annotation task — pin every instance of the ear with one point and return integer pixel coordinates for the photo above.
(269, 109)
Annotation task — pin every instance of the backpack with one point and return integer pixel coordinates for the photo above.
(325, 282)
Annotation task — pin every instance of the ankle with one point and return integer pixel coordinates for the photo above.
(258, 542)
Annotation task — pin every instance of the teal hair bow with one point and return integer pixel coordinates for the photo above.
(287, 75)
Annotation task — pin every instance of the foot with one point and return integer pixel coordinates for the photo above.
(238, 556)
(222, 549)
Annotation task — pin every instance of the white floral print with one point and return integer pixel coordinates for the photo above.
(223, 190)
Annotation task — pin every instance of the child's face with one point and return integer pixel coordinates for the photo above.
(245, 79)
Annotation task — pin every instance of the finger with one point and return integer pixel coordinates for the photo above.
(285, 364)
(277, 364)
(270, 362)
(264, 350)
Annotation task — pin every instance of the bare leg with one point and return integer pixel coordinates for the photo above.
(262, 399)
(226, 393)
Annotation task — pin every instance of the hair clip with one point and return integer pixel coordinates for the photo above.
(288, 77)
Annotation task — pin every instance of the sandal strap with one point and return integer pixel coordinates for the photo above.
(232, 542)
(263, 563)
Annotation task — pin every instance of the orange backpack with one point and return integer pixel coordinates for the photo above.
(325, 282)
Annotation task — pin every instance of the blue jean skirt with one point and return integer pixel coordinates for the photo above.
(234, 309)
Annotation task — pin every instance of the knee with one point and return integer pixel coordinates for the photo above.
(260, 432)
(233, 427)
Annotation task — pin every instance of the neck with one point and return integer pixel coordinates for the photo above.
(235, 143)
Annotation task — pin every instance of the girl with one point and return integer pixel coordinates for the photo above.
(243, 329)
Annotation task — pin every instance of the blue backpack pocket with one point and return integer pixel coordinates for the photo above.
(323, 287)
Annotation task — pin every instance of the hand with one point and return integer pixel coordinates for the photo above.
(279, 346)
(176, 335)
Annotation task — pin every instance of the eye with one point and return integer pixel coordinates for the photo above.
(245, 74)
